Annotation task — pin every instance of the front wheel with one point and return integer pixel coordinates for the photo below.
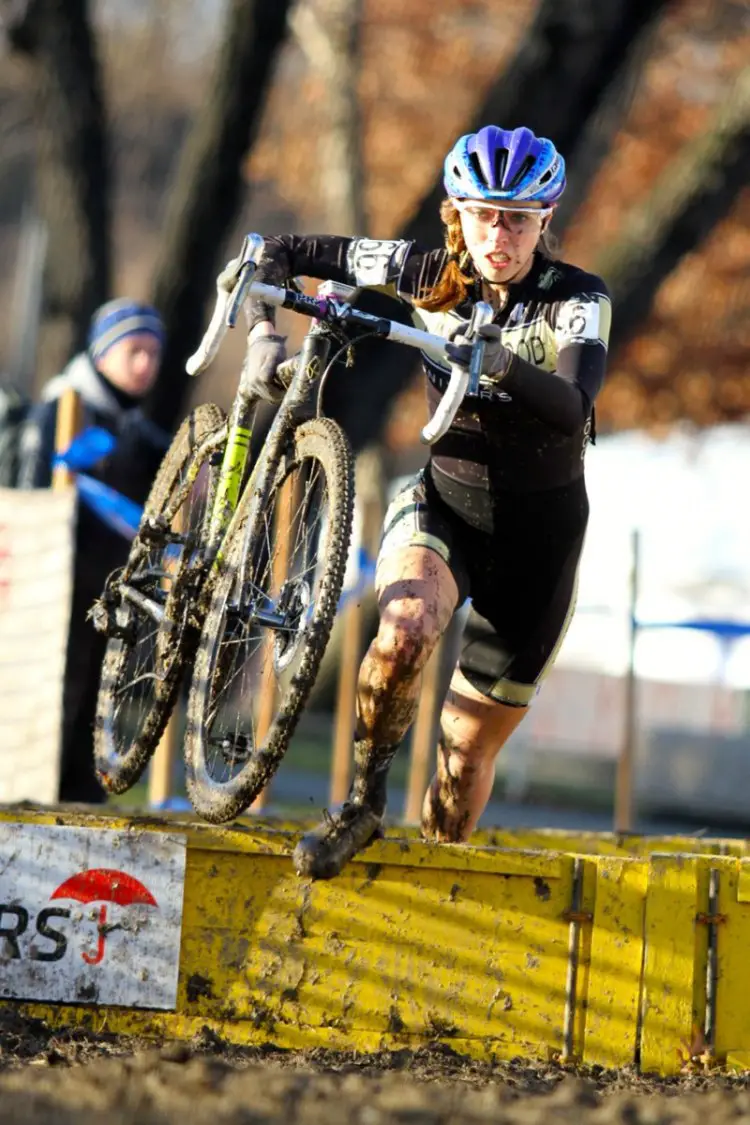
(269, 621)
(148, 608)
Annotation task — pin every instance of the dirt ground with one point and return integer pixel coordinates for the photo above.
(53, 1078)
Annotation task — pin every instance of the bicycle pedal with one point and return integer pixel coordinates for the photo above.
(100, 617)
(154, 529)
(103, 616)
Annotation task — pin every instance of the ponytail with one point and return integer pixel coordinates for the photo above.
(457, 278)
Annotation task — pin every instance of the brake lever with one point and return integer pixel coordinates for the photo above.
(252, 248)
(481, 314)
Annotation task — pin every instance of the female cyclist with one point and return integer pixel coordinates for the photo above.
(499, 513)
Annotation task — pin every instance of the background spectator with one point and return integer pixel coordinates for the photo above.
(112, 377)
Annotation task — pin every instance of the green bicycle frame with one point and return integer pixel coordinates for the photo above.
(236, 453)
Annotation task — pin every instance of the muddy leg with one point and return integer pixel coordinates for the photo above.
(417, 595)
(473, 731)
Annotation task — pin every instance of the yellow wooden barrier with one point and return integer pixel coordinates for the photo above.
(669, 971)
(412, 944)
(625, 845)
(614, 982)
(574, 955)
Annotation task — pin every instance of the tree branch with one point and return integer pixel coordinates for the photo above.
(305, 23)
(72, 169)
(694, 193)
(209, 186)
(328, 33)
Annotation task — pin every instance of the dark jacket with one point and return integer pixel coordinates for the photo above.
(129, 469)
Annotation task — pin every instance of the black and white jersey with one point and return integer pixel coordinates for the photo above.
(526, 431)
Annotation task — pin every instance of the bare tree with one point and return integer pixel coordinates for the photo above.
(207, 193)
(590, 148)
(693, 194)
(329, 33)
(72, 168)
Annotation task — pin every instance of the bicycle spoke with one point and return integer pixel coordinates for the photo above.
(255, 658)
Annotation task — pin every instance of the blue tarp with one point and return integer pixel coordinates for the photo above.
(86, 449)
(726, 630)
(113, 509)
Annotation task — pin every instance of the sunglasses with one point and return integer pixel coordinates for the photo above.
(516, 220)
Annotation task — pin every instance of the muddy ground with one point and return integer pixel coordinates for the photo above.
(53, 1078)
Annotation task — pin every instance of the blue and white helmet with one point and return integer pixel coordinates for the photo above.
(498, 164)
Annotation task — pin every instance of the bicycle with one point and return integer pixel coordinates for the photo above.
(238, 569)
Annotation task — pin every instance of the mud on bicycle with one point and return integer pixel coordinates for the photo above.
(235, 573)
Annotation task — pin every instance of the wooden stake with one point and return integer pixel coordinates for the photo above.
(67, 426)
(623, 820)
(161, 770)
(282, 540)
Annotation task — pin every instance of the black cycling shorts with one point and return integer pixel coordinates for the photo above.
(521, 578)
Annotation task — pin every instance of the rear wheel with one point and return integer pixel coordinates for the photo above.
(149, 608)
(269, 621)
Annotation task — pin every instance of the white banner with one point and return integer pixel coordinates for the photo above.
(90, 916)
(36, 555)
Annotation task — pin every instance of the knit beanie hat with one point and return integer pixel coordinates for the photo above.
(119, 318)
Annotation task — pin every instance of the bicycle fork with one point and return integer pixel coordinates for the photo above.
(297, 405)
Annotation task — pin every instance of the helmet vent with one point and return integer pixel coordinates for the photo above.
(476, 167)
(501, 163)
(526, 166)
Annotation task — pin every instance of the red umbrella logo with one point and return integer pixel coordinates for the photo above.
(104, 884)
